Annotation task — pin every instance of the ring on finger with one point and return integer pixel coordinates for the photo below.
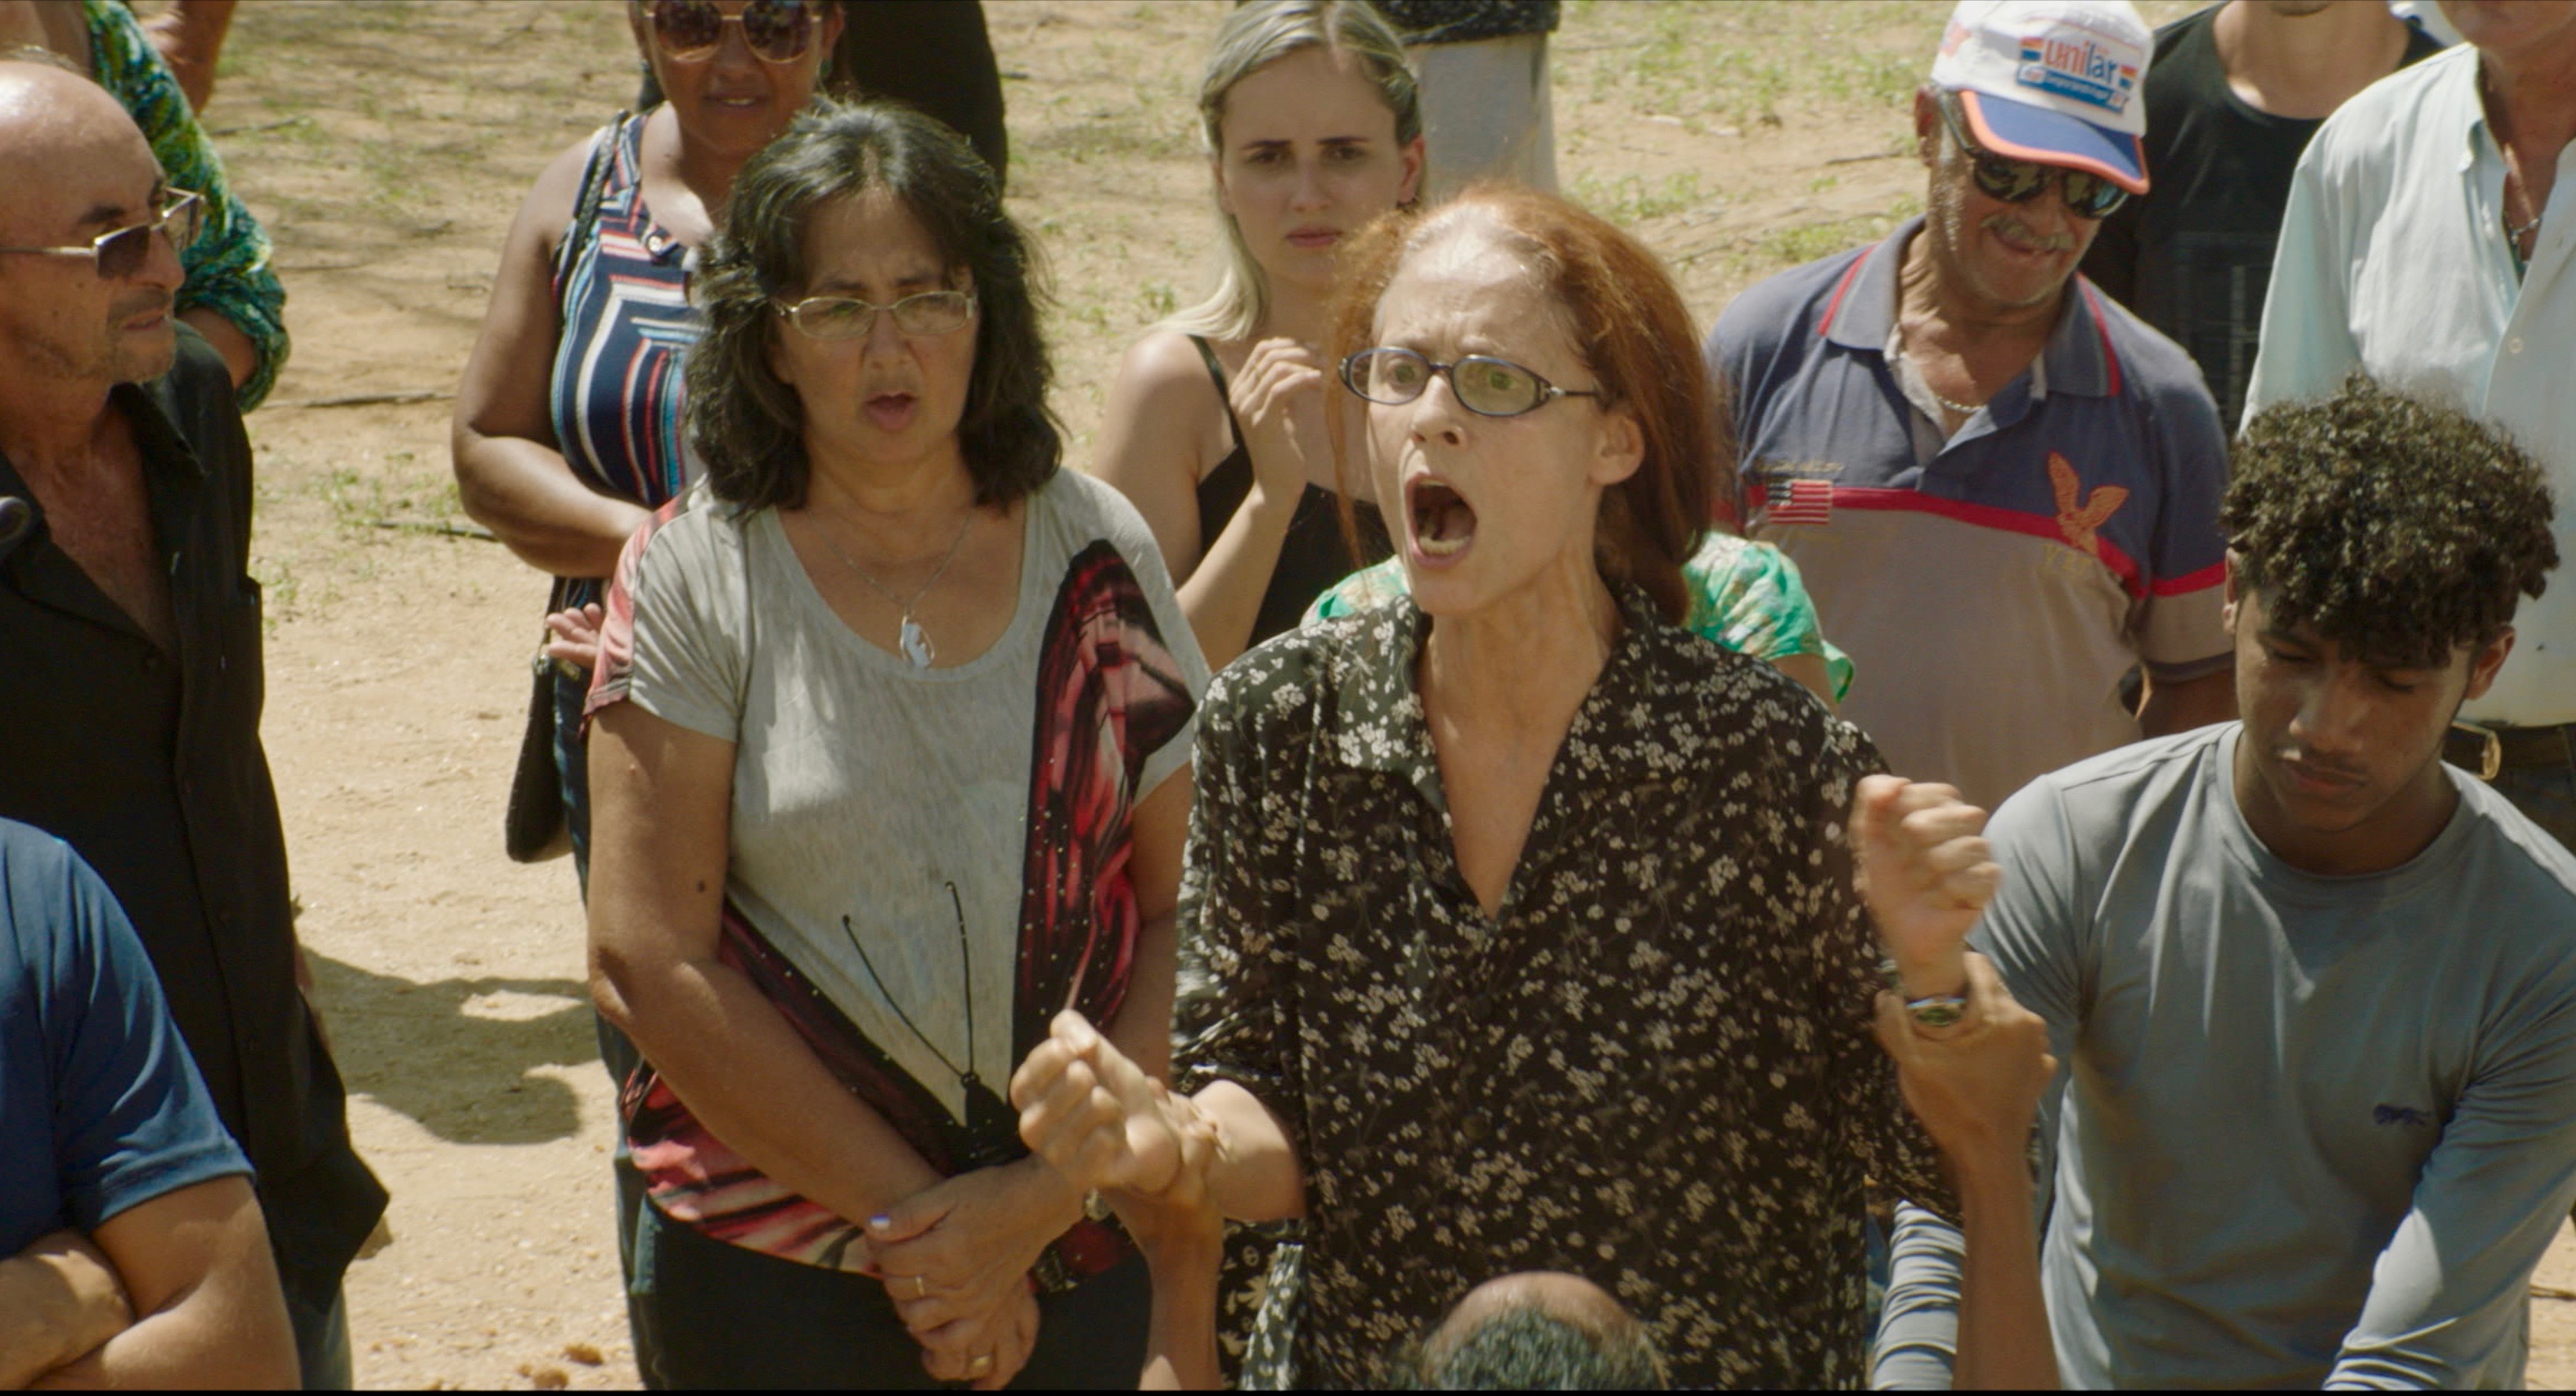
(982, 1363)
(921, 1286)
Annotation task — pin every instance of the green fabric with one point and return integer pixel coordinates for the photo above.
(1745, 597)
(227, 268)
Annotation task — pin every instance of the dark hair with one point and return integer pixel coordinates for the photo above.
(1628, 321)
(2401, 529)
(1527, 1348)
(745, 423)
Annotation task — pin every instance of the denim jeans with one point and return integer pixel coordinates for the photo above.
(617, 1055)
(322, 1342)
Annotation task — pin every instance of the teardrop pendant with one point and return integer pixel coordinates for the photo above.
(916, 645)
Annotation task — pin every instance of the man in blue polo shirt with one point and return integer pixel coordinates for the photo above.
(2002, 487)
(131, 1248)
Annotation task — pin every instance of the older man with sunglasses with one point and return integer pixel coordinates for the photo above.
(130, 678)
(2001, 487)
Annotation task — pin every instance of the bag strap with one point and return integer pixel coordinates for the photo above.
(594, 190)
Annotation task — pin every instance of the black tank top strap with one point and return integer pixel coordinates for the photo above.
(1224, 392)
(1313, 556)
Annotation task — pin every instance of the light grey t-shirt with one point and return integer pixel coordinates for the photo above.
(878, 808)
(2313, 1129)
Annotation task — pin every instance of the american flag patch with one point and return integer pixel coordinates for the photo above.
(1799, 501)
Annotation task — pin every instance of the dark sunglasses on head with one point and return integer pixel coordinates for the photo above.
(778, 31)
(2086, 195)
(121, 253)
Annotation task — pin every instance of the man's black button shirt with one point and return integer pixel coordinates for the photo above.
(152, 770)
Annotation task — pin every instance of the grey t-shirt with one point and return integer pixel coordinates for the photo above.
(2312, 1129)
(882, 813)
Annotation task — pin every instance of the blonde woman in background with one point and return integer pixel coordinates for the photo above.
(1215, 425)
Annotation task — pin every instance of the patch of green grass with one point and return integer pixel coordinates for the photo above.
(1634, 199)
(280, 590)
(1807, 242)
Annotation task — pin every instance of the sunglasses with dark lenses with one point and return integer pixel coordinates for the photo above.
(122, 253)
(1486, 386)
(778, 31)
(2085, 194)
(848, 317)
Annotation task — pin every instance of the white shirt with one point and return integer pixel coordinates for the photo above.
(2393, 260)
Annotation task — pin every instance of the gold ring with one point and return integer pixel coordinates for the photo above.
(921, 1286)
(981, 1365)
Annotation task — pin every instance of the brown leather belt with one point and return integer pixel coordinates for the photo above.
(2487, 752)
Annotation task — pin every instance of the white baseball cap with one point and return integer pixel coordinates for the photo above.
(2060, 82)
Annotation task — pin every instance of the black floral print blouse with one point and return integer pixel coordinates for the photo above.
(1654, 1068)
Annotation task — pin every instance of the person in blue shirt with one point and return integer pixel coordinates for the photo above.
(132, 1252)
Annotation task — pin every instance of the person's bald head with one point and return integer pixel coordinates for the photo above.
(76, 167)
(53, 123)
(1538, 1330)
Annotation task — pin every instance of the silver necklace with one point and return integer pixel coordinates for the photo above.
(2513, 234)
(916, 644)
(1964, 409)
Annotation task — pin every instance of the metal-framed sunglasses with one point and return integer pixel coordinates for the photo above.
(2086, 195)
(776, 31)
(1485, 385)
(848, 317)
(122, 252)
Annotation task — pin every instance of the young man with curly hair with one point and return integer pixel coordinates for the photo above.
(2313, 990)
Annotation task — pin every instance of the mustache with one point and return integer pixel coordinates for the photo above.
(2012, 227)
(142, 303)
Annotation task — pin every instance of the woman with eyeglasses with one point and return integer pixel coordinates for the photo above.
(1528, 918)
(888, 752)
(1214, 426)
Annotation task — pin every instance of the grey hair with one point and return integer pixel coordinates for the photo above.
(1255, 35)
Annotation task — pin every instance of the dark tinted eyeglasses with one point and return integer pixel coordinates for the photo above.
(778, 31)
(121, 253)
(1486, 386)
(2086, 195)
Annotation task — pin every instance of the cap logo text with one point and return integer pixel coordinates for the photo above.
(2078, 68)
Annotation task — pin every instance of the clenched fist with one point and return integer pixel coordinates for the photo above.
(1927, 874)
(1093, 1114)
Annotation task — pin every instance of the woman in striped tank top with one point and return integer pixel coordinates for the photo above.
(567, 428)
(567, 434)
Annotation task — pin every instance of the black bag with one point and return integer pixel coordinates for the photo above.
(534, 830)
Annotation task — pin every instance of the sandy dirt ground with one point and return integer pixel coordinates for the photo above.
(386, 145)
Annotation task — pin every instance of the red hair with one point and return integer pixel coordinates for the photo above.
(1629, 324)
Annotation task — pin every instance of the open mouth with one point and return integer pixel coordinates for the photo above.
(1442, 521)
(892, 411)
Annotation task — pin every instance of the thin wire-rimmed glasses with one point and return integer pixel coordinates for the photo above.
(1485, 385)
(2086, 195)
(122, 252)
(848, 317)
